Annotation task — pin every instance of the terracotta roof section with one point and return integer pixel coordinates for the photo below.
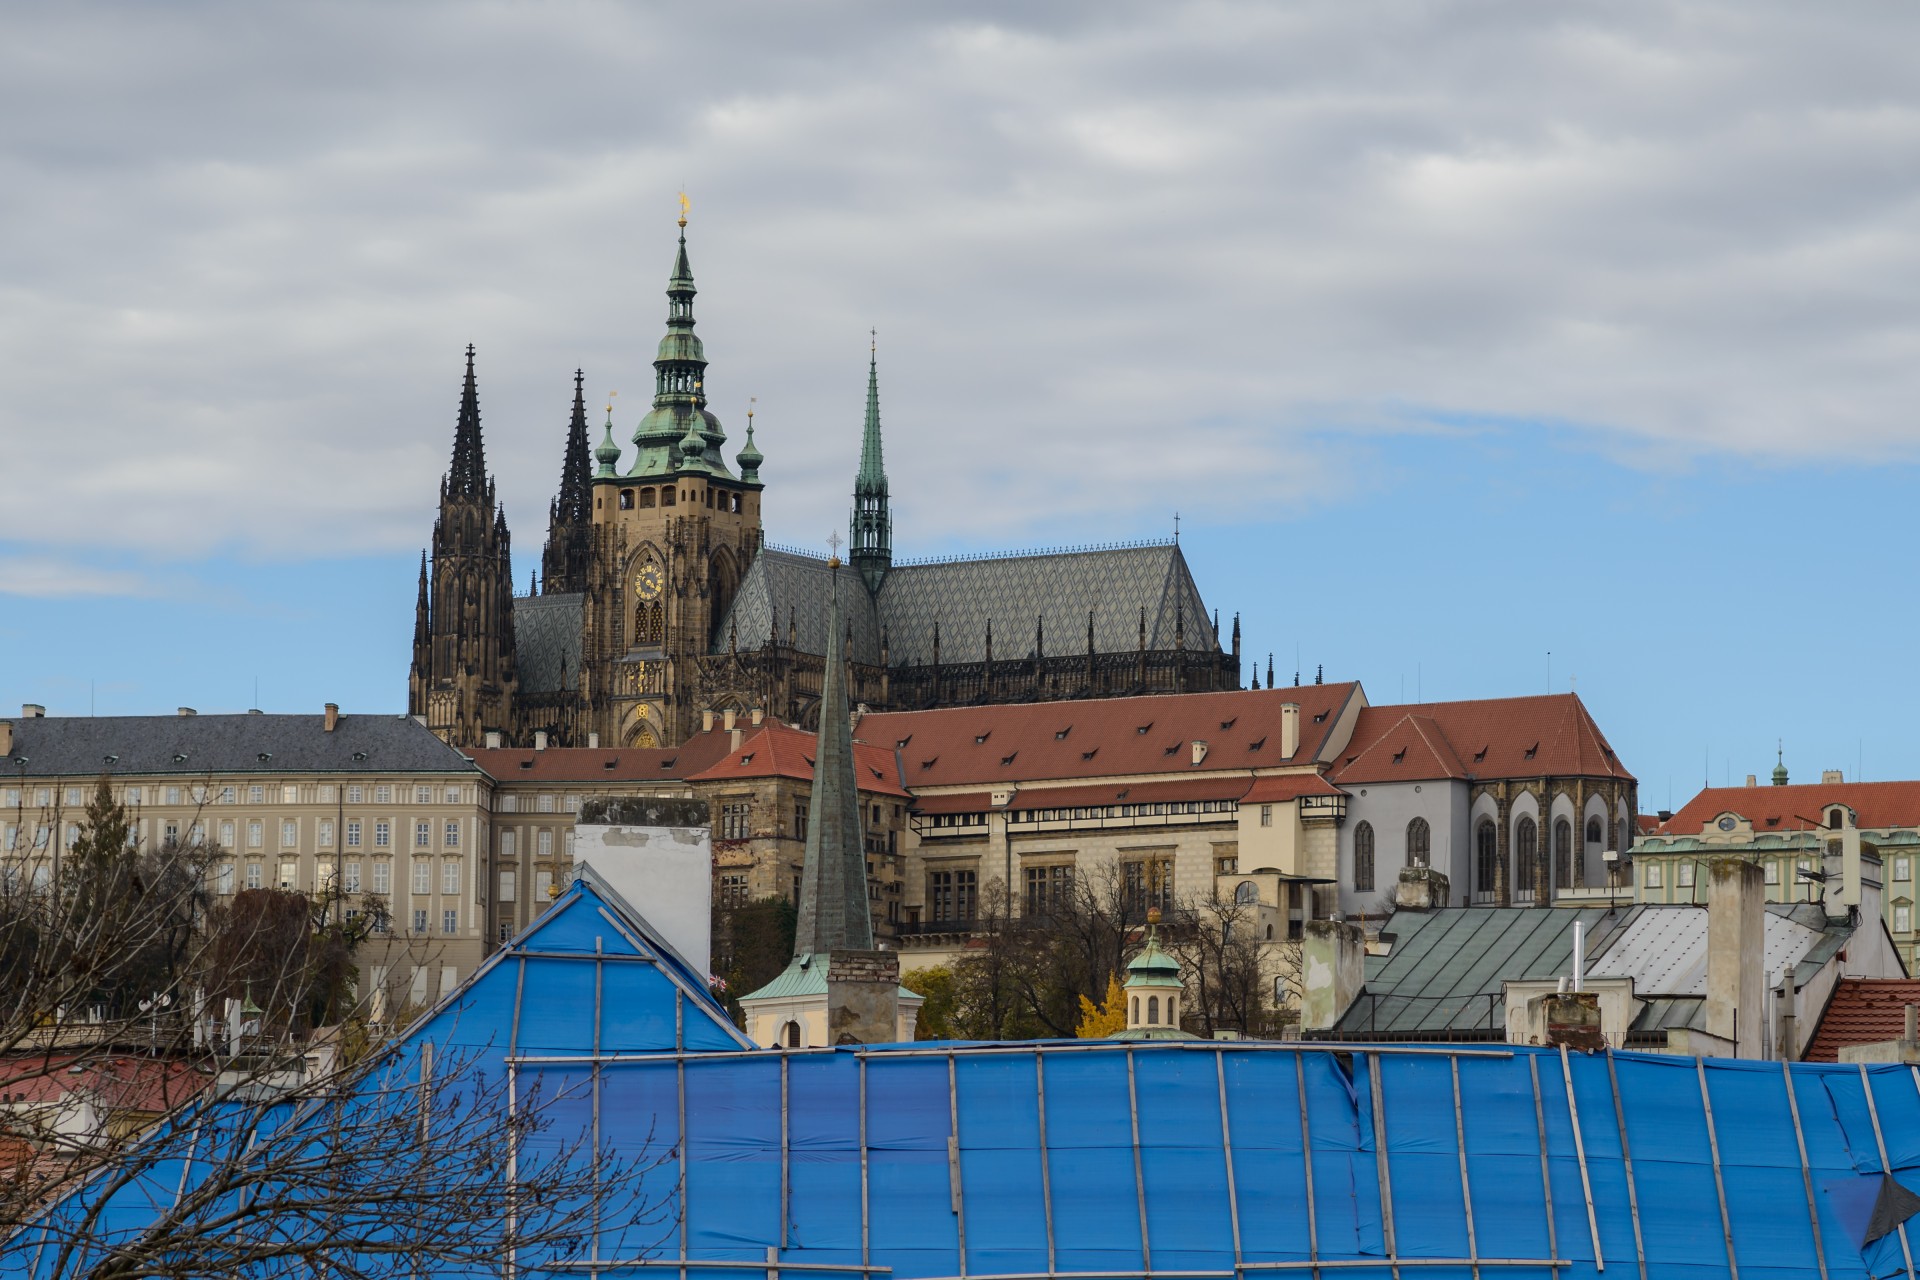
(954, 802)
(120, 1082)
(1646, 823)
(1278, 788)
(579, 764)
(1547, 735)
(1876, 805)
(1862, 1011)
(777, 750)
(1105, 737)
(1231, 787)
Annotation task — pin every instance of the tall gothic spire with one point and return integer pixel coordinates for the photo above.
(468, 474)
(678, 434)
(872, 548)
(570, 518)
(833, 877)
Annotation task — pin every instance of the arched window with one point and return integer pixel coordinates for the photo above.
(1562, 854)
(1836, 818)
(1153, 1010)
(1595, 832)
(650, 624)
(790, 1034)
(646, 497)
(626, 499)
(1173, 1011)
(1487, 855)
(1626, 841)
(1419, 843)
(1246, 893)
(1136, 1011)
(1363, 858)
(667, 496)
(1526, 856)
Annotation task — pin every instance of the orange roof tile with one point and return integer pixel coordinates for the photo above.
(599, 764)
(1546, 735)
(776, 750)
(1230, 787)
(1862, 1011)
(1876, 805)
(1103, 737)
(1278, 788)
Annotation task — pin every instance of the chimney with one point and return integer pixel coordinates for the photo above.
(706, 720)
(734, 736)
(1753, 780)
(1736, 943)
(863, 997)
(1199, 751)
(493, 739)
(32, 711)
(186, 711)
(1832, 777)
(539, 739)
(593, 741)
(756, 715)
(1289, 729)
(333, 716)
(1332, 970)
(727, 718)
(6, 737)
(1788, 1050)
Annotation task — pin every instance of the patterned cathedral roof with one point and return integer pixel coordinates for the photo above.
(546, 633)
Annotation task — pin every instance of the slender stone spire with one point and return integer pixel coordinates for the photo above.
(570, 517)
(467, 477)
(872, 548)
(833, 876)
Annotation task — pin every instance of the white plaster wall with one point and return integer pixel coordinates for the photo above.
(665, 873)
(1390, 807)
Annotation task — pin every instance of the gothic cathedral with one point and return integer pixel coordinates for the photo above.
(660, 600)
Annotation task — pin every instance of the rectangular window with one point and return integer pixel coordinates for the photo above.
(453, 795)
(542, 885)
(450, 876)
(543, 844)
(256, 795)
(382, 876)
(289, 795)
(354, 795)
(423, 835)
(223, 882)
(1683, 875)
(173, 796)
(326, 833)
(253, 875)
(383, 795)
(1266, 815)
(289, 873)
(256, 834)
(325, 795)
(733, 889)
(350, 878)
(353, 833)
(571, 804)
(134, 795)
(507, 882)
(799, 820)
(1773, 872)
(508, 844)
(452, 836)
(951, 896)
(1146, 883)
(226, 795)
(546, 804)
(422, 876)
(1902, 869)
(450, 920)
(382, 834)
(508, 803)
(226, 834)
(733, 819)
(73, 795)
(1902, 918)
(1048, 891)
(323, 876)
(419, 919)
(289, 833)
(423, 795)
(1652, 878)
(566, 843)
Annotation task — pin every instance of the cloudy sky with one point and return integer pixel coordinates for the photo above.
(1460, 335)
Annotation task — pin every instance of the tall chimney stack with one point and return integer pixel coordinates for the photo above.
(1289, 729)
(1736, 945)
(332, 721)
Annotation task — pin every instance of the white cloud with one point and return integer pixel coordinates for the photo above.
(1116, 253)
(47, 578)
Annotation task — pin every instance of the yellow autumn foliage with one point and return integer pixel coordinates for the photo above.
(1107, 1019)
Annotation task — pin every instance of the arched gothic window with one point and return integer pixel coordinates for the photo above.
(1595, 832)
(1419, 843)
(791, 1035)
(1487, 859)
(650, 624)
(1526, 856)
(1562, 854)
(1363, 858)
(1626, 842)
(646, 497)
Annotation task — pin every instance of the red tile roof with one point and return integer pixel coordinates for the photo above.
(1547, 735)
(1230, 787)
(1104, 737)
(776, 750)
(1862, 1011)
(120, 1082)
(1280, 787)
(599, 764)
(1876, 805)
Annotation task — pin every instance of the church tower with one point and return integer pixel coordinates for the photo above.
(463, 677)
(871, 550)
(672, 537)
(563, 568)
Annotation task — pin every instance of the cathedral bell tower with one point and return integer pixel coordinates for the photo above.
(464, 675)
(672, 538)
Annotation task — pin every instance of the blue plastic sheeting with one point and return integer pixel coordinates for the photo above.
(1183, 1160)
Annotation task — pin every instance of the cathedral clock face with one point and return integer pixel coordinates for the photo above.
(648, 583)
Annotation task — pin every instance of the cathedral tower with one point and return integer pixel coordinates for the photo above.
(570, 519)
(673, 536)
(871, 550)
(463, 677)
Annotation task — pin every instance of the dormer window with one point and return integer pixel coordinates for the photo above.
(1228, 724)
(1400, 755)
(1143, 728)
(1836, 818)
(1256, 744)
(1532, 750)
(1480, 755)
(979, 739)
(1061, 735)
(1008, 759)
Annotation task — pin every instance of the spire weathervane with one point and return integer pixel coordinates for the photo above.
(833, 541)
(685, 204)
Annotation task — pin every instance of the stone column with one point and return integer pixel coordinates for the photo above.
(863, 997)
(1503, 848)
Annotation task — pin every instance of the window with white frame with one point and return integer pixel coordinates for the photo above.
(226, 834)
(382, 834)
(289, 873)
(546, 804)
(423, 834)
(350, 876)
(74, 796)
(253, 875)
(450, 920)
(382, 876)
(325, 833)
(566, 844)
(423, 795)
(1651, 877)
(453, 795)
(256, 794)
(226, 795)
(507, 803)
(1683, 875)
(173, 796)
(223, 878)
(383, 795)
(256, 833)
(419, 920)
(1902, 869)
(542, 885)
(353, 833)
(289, 794)
(1772, 872)
(355, 795)
(450, 876)
(452, 835)
(543, 844)
(507, 882)
(572, 804)
(289, 833)
(422, 876)
(325, 795)
(134, 795)
(507, 844)
(1902, 917)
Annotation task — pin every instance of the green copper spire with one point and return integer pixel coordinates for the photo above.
(750, 457)
(678, 434)
(872, 548)
(833, 873)
(609, 452)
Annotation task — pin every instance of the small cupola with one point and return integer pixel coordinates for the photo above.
(1153, 990)
(608, 453)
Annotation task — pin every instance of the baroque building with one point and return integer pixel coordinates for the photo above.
(660, 600)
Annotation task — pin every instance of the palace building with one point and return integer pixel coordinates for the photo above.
(659, 598)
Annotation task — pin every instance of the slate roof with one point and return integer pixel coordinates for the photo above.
(546, 638)
(1876, 805)
(962, 596)
(1862, 1011)
(67, 746)
(1549, 735)
(1106, 737)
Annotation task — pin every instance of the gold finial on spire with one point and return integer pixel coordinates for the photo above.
(611, 396)
(833, 541)
(685, 204)
(751, 401)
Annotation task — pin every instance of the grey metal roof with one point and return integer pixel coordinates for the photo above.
(963, 596)
(68, 746)
(1445, 970)
(1664, 949)
(546, 639)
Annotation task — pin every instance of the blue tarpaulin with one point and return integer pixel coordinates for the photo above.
(1182, 1160)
